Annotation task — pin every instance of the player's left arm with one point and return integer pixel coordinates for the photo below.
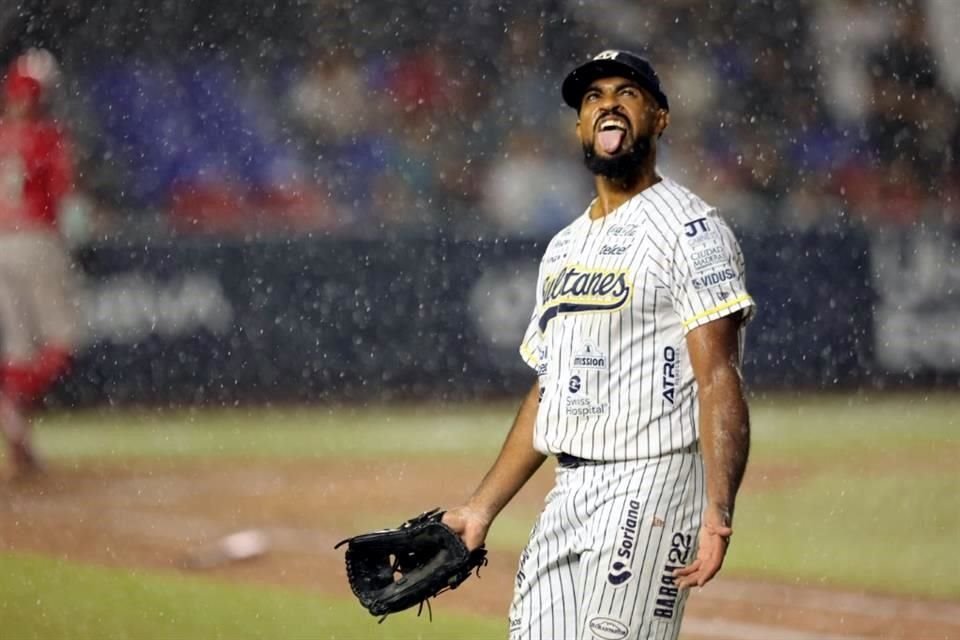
(724, 439)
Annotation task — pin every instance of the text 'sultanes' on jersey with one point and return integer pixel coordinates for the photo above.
(616, 297)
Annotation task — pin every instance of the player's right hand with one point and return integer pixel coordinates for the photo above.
(470, 524)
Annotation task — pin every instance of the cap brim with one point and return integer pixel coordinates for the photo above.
(580, 79)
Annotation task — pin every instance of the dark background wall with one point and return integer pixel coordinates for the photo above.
(308, 319)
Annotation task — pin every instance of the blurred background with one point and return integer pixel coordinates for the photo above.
(265, 266)
(304, 198)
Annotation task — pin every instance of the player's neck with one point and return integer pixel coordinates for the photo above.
(611, 193)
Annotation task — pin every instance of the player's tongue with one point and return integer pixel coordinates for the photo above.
(610, 139)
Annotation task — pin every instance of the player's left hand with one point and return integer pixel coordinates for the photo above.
(714, 540)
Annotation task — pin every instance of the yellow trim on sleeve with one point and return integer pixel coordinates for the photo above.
(526, 353)
(716, 309)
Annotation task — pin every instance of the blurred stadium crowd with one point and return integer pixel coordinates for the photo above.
(371, 117)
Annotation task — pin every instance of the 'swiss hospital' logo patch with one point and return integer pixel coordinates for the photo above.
(576, 289)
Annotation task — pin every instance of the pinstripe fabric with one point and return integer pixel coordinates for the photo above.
(600, 557)
(616, 298)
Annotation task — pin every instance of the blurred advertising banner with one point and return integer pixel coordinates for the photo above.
(213, 321)
(207, 320)
(813, 327)
(916, 275)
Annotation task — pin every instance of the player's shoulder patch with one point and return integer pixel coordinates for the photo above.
(704, 240)
(558, 247)
(698, 223)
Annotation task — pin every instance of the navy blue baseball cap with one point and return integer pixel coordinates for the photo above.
(613, 62)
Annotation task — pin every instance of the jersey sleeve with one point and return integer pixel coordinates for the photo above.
(532, 348)
(708, 273)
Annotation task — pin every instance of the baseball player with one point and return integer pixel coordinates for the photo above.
(38, 329)
(636, 341)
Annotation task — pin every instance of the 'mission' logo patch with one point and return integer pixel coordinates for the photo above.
(577, 289)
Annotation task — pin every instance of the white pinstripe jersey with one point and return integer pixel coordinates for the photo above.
(615, 299)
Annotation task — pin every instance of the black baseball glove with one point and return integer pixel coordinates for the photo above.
(394, 569)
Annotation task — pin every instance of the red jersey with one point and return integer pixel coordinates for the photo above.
(35, 173)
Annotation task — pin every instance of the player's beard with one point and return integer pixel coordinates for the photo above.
(621, 166)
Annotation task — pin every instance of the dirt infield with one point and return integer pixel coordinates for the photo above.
(153, 514)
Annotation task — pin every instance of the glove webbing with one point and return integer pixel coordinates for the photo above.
(426, 601)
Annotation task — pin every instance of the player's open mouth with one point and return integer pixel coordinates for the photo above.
(610, 133)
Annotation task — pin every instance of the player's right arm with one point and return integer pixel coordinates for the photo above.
(517, 462)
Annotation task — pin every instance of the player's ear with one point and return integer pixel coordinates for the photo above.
(661, 121)
(577, 129)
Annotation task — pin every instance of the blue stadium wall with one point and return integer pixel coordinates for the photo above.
(201, 321)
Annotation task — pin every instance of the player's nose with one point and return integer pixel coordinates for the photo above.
(609, 100)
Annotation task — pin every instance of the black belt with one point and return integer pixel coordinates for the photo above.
(568, 461)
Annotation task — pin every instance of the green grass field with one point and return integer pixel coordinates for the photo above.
(44, 599)
(868, 499)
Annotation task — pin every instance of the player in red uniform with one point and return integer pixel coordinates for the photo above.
(37, 328)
